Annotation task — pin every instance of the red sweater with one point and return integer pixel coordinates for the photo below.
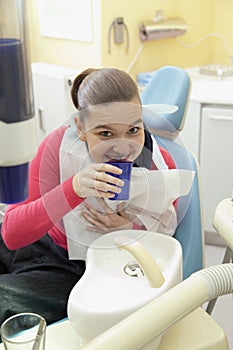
(48, 199)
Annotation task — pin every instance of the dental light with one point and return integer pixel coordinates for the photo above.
(17, 121)
(162, 27)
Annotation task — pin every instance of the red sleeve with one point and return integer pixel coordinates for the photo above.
(171, 165)
(48, 200)
(168, 159)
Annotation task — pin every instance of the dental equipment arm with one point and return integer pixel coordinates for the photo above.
(160, 314)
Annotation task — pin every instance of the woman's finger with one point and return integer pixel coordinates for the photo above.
(104, 205)
(100, 217)
(121, 211)
(106, 187)
(92, 220)
(101, 230)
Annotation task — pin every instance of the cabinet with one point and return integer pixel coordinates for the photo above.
(208, 134)
(53, 104)
(216, 157)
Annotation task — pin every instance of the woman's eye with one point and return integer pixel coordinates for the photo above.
(106, 133)
(133, 130)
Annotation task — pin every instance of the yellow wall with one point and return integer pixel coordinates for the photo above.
(198, 15)
(223, 26)
(63, 52)
(202, 17)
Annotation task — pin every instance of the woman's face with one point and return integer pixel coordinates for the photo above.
(113, 131)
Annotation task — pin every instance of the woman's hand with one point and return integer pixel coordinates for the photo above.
(94, 181)
(108, 220)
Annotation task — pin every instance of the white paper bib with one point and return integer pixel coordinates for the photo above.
(151, 195)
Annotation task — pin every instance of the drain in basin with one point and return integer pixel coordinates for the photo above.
(132, 269)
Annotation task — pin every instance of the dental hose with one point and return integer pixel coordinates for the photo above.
(219, 279)
(154, 319)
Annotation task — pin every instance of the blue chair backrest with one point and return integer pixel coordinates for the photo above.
(171, 85)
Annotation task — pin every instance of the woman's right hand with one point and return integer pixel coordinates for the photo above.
(94, 181)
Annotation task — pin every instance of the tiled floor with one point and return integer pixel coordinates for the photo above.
(223, 310)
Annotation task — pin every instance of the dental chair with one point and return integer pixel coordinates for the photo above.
(171, 86)
(177, 313)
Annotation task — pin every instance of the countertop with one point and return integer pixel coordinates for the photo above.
(210, 89)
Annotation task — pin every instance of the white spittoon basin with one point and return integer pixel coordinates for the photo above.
(122, 270)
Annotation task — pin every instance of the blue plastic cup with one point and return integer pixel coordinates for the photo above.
(126, 168)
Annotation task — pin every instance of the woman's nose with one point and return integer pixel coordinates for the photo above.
(121, 147)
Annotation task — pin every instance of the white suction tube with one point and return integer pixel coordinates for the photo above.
(160, 314)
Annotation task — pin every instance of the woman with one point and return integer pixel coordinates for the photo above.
(36, 273)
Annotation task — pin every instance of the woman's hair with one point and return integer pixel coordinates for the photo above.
(97, 86)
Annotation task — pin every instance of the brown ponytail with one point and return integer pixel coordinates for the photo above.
(76, 84)
(105, 85)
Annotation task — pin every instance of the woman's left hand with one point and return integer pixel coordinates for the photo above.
(108, 220)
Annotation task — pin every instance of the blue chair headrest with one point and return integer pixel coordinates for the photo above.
(169, 85)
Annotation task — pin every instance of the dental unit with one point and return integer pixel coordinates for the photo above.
(168, 309)
(111, 308)
(108, 292)
(17, 121)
